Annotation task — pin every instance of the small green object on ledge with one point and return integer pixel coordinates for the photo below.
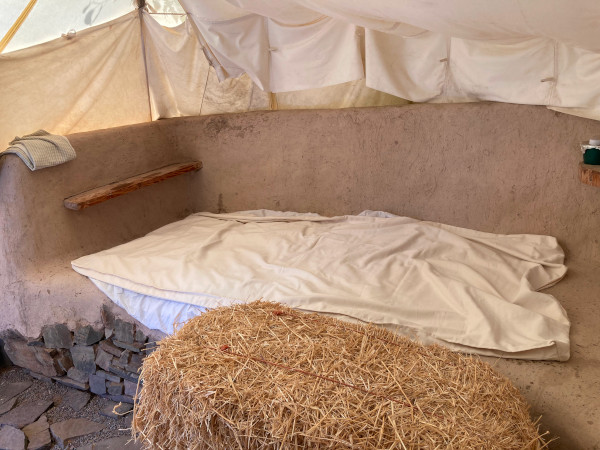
(592, 156)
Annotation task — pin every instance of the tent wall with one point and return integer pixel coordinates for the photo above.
(108, 76)
(95, 80)
(244, 56)
(47, 19)
(439, 51)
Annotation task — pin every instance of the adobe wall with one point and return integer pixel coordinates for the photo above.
(494, 167)
(40, 237)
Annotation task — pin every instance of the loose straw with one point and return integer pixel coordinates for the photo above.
(263, 376)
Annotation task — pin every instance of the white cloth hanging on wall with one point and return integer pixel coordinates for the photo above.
(578, 85)
(440, 51)
(275, 54)
(515, 71)
(335, 50)
(237, 39)
(177, 69)
(310, 52)
(412, 68)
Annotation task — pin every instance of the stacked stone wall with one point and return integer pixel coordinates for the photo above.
(104, 360)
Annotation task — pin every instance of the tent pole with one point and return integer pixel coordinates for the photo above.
(15, 26)
(141, 5)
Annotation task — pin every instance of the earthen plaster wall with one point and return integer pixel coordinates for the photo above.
(40, 237)
(494, 167)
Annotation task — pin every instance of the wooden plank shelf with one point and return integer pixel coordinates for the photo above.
(589, 174)
(118, 188)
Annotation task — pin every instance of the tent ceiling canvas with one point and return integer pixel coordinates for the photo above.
(50, 19)
(213, 56)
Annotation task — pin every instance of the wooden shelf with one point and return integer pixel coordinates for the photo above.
(589, 174)
(118, 188)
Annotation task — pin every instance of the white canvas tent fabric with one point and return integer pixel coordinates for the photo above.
(472, 291)
(291, 54)
(95, 80)
(49, 19)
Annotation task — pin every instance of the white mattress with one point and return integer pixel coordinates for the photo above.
(469, 290)
(156, 313)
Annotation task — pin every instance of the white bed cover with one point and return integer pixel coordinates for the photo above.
(469, 290)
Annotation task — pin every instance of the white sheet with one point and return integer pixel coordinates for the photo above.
(472, 291)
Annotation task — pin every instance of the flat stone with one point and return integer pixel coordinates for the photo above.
(135, 363)
(140, 336)
(137, 358)
(78, 375)
(150, 347)
(26, 413)
(39, 425)
(35, 359)
(49, 351)
(72, 428)
(10, 390)
(84, 358)
(8, 405)
(120, 398)
(117, 363)
(124, 374)
(57, 336)
(113, 388)
(11, 438)
(87, 335)
(134, 368)
(103, 358)
(38, 434)
(123, 331)
(109, 347)
(116, 410)
(108, 376)
(133, 346)
(39, 342)
(97, 384)
(76, 399)
(72, 383)
(124, 358)
(108, 319)
(115, 443)
(64, 359)
(39, 376)
(130, 388)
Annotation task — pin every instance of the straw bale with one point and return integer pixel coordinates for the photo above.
(263, 376)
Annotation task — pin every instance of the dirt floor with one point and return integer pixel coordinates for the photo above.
(567, 394)
(61, 410)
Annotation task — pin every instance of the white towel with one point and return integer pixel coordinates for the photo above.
(41, 149)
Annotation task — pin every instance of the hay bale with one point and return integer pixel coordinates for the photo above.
(263, 376)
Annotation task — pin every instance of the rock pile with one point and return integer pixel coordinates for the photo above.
(36, 416)
(105, 361)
